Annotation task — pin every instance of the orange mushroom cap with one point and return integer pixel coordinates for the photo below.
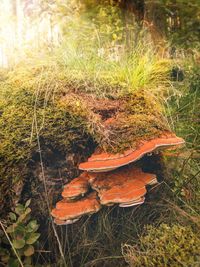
(77, 187)
(122, 194)
(105, 162)
(108, 180)
(125, 185)
(66, 210)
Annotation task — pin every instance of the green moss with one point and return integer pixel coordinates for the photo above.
(27, 114)
(128, 130)
(165, 246)
(143, 102)
(141, 118)
(36, 105)
(20, 121)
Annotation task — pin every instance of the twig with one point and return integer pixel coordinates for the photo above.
(7, 236)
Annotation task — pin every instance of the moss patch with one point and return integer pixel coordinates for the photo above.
(28, 116)
(141, 118)
(143, 102)
(34, 106)
(128, 130)
(165, 246)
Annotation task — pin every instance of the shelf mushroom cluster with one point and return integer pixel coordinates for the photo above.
(110, 179)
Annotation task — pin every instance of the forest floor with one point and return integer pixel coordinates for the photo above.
(51, 120)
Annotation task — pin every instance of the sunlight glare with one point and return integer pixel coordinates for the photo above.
(21, 31)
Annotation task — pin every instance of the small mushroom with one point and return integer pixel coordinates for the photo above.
(101, 162)
(70, 211)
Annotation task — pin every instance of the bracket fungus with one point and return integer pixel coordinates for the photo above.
(108, 180)
(77, 187)
(135, 202)
(105, 162)
(125, 186)
(114, 179)
(129, 192)
(69, 212)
